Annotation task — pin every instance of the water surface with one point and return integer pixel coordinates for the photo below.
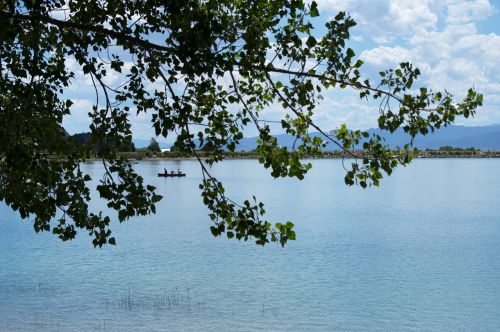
(418, 253)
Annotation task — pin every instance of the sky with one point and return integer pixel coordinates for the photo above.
(454, 43)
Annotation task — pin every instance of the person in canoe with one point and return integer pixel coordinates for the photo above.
(179, 171)
(165, 171)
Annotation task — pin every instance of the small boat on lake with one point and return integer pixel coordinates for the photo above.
(171, 174)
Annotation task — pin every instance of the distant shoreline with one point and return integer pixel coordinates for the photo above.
(452, 154)
(433, 154)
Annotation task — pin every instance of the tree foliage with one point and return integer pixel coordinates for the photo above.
(154, 146)
(203, 70)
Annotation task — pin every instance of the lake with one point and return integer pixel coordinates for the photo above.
(418, 253)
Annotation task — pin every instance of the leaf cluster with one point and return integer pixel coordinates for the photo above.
(203, 71)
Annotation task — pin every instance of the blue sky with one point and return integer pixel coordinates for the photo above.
(455, 43)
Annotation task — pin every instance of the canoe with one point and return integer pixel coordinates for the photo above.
(166, 175)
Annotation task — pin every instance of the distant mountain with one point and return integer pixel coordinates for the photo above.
(484, 138)
(487, 141)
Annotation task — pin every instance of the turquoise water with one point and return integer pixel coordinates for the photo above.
(418, 253)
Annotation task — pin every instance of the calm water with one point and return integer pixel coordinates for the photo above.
(418, 253)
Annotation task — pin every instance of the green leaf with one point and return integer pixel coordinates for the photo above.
(311, 42)
(313, 12)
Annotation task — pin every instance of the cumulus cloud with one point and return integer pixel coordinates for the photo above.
(457, 56)
(385, 56)
(439, 37)
(347, 108)
(467, 11)
(409, 16)
(385, 20)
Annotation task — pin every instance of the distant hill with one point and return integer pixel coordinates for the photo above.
(86, 139)
(83, 138)
(484, 138)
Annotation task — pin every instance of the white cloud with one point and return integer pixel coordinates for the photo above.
(409, 16)
(384, 56)
(385, 20)
(142, 128)
(439, 37)
(358, 38)
(467, 11)
(346, 108)
(78, 121)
